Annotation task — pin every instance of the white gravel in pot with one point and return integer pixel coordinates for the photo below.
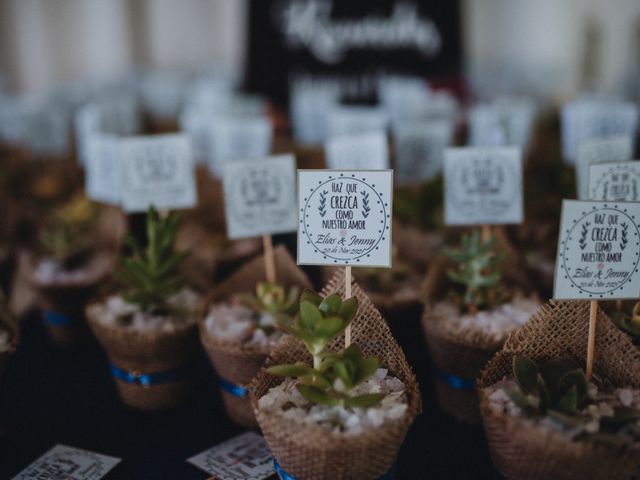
(234, 322)
(116, 312)
(285, 401)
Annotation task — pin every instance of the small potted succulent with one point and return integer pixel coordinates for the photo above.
(239, 327)
(72, 256)
(628, 323)
(8, 332)
(544, 419)
(148, 326)
(330, 412)
(465, 329)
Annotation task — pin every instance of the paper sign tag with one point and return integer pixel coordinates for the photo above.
(68, 463)
(588, 119)
(86, 123)
(245, 457)
(197, 121)
(310, 107)
(239, 138)
(363, 151)
(158, 171)
(506, 122)
(613, 149)
(102, 178)
(345, 217)
(348, 120)
(598, 251)
(483, 185)
(419, 148)
(615, 182)
(260, 196)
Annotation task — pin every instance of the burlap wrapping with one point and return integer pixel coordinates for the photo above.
(521, 450)
(148, 353)
(236, 362)
(310, 452)
(458, 354)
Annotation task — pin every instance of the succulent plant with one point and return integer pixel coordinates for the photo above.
(478, 270)
(272, 302)
(333, 374)
(67, 234)
(629, 324)
(559, 391)
(151, 275)
(420, 205)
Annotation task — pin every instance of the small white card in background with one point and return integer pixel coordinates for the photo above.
(598, 251)
(615, 182)
(86, 122)
(611, 149)
(345, 217)
(157, 170)
(239, 138)
(68, 463)
(483, 185)
(419, 149)
(362, 151)
(260, 196)
(102, 168)
(352, 120)
(245, 457)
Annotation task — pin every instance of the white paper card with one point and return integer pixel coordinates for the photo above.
(239, 138)
(245, 457)
(103, 170)
(419, 149)
(483, 185)
(363, 151)
(612, 149)
(68, 463)
(598, 251)
(260, 196)
(352, 120)
(345, 217)
(615, 182)
(158, 171)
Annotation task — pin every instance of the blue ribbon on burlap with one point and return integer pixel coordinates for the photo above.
(454, 381)
(56, 319)
(232, 388)
(390, 475)
(147, 379)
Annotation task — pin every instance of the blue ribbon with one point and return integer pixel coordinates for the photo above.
(390, 475)
(233, 389)
(454, 381)
(55, 318)
(147, 379)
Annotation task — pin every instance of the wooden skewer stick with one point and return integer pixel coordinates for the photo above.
(163, 213)
(591, 345)
(347, 294)
(269, 259)
(485, 233)
(619, 305)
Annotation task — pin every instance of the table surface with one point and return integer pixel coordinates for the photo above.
(50, 395)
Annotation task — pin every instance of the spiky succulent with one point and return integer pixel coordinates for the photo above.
(478, 270)
(67, 234)
(272, 302)
(151, 275)
(333, 374)
(629, 324)
(559, 391)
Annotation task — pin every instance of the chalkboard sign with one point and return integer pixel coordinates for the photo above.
(352, 44)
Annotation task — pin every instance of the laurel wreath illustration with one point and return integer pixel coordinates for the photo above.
(583, 235)
(323, 203)
(366, 209)
(624, 239)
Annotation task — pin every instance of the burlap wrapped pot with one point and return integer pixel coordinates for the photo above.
(234, 362)
(523, 450)
(458, 357)
(309, 452)
(150, 369)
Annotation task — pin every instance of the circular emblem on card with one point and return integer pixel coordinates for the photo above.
(616, 182)
(345, 218)
(599, 251)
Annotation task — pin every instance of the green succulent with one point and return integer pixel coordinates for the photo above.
(559, 391)
(478, 270)
(333, 374)
(421, 204)
(272, 302)
(151, 275)
(629, 324)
